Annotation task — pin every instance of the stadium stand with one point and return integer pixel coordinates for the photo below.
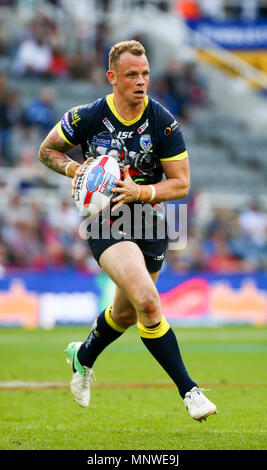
(228, 158)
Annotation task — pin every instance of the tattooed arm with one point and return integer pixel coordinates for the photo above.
(52, 154)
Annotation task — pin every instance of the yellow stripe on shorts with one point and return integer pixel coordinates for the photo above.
(111, 322)
(156, 332)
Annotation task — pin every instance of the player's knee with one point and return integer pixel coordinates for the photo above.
(149, 305)
(126, 318)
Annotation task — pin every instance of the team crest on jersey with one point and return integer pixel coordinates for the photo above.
(145, 142)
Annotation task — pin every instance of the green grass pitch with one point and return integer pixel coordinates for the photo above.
(134, 406)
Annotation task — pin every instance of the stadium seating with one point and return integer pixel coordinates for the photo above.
(227, 157)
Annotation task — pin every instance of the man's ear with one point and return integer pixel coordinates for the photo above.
(111, 76)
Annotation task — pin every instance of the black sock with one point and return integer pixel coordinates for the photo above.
(104, 331)
(162, 344)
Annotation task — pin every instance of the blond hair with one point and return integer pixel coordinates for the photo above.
(134, 47)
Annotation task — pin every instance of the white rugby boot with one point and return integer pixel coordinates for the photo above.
(82, 377)
(199, 406)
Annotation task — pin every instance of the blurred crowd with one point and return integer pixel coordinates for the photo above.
(23, 123)
(218, 240)
(44, 49)
(73, 43)
(221, 239)
(32, 235)
(179, 88)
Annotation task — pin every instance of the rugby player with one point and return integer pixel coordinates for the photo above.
(148, 144)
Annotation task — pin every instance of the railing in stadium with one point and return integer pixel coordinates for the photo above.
(228, 58)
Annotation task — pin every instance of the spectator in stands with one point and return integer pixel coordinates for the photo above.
(191, 258)
(163, 94)
(253, 224)
(65, 219)
(81, 66)
(20, 233)
(15, 109)
(30, 176)
(41, 112)
(179, 88)
(250, 244)
(5, 121)
(59, 65)
(222, 259)
(52, 254)
(196, 92)
(33, 57)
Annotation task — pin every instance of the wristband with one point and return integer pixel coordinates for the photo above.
(138, 195)
(153, 194)
(67, 166)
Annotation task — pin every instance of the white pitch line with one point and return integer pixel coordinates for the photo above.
(14, 384)
(23, 385)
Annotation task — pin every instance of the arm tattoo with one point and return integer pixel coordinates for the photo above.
(52, 152)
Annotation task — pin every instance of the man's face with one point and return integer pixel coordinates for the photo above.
(130, 77)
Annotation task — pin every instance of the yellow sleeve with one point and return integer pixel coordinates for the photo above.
(181, 156)
(61, 133)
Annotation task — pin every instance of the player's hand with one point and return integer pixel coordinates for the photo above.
(126, 190)
(78, 173)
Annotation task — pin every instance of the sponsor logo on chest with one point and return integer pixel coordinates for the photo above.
(143, 127)
(125, 134)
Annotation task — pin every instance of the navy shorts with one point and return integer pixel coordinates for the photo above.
(153, 248)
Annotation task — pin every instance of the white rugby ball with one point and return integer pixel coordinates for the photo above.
(94, 187)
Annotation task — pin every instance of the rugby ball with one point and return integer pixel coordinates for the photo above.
(94, 187)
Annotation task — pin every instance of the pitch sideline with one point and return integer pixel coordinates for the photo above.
(46, 385)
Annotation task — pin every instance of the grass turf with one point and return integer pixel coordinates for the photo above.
(229, 360)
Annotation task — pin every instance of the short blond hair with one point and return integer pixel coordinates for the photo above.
(132, 46)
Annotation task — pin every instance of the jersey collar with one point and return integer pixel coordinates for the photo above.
(111, 105)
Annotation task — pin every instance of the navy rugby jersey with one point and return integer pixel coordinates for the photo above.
(152, 137)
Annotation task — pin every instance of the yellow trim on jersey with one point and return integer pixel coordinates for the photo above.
(156, 332)
(111, 322)
(181, 156)
(111, 104)
(61, 133)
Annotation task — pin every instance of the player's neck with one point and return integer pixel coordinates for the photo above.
(126, 110)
